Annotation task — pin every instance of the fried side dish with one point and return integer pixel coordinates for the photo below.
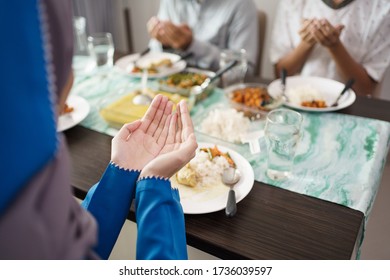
(187, 176)
(153, 67)
(150, 70)
(67, 109)
(314, 104)
(254, 97)
(185, 80)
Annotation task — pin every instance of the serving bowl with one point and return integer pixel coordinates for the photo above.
(253, 99)
(181, 83)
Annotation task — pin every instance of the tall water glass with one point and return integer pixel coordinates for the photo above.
(83, 62)
(238, 72)
(282, 131)
(102, 47)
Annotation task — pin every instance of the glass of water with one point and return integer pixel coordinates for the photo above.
(282, 132)
(83, 62)
(237, 73)
(102, 48)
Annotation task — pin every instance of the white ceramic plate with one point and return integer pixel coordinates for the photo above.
(80, 111)
(126, 64)
(198, 201)
(327, 88)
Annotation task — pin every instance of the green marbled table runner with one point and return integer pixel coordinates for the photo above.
(340, 158)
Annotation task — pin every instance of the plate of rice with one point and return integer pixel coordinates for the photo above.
(313, 94)
(200, 181)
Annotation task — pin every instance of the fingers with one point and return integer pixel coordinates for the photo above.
(150, 113)
(190, 146)
(179, 126)
(155, 122)
(306, 31)
(339, 28)
(178, 35)
(325, 33)
(151, 25)
(127, 129)
(162, 138)
(162, 124)
(170, 139)
(186, 152)
(186, 121)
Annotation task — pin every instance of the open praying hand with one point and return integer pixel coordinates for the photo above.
(159, 144)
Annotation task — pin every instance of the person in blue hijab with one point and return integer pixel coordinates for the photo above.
(39, 217)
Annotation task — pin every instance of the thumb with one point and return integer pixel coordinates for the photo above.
(127, 129)
(190, 146)
(340, 27)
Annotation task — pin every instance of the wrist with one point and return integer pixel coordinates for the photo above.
(306, 46)
(150, 173)
(334, 48)
(186, 44)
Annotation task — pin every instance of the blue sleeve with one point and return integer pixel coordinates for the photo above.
(109, 202)
(160, 221)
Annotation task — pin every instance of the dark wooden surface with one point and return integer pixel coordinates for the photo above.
(271, 223)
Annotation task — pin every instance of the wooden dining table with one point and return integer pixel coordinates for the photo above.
(271, 222)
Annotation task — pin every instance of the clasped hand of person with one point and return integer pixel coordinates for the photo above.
(169, 34)
(159, 144)
(320, 31)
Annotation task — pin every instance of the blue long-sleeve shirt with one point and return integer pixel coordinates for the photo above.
(160, 219)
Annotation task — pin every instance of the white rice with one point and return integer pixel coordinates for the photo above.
(209, 172)
(304, 93)
(226, 124)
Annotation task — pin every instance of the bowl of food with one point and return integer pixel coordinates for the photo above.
(313, 94)
(181, 83)
(252, 99)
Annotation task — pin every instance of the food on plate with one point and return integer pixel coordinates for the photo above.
(67, 109)
(153, 68)
(306, 96)
(225, 124)
(314, 104)
(215, 152)
(205, 169)
(253, 97)
(185, 80)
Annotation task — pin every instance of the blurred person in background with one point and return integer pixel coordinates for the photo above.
(39, 217)
(336, 39)
(204, 28)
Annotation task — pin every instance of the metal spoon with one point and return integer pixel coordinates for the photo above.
(143, 98)
(230, 177)
(196, 90)
(283, 76)
(347, 86)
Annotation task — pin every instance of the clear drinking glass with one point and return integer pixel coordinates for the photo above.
(101, 46)
(282, 132)
(83, 62)
(238, 72)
